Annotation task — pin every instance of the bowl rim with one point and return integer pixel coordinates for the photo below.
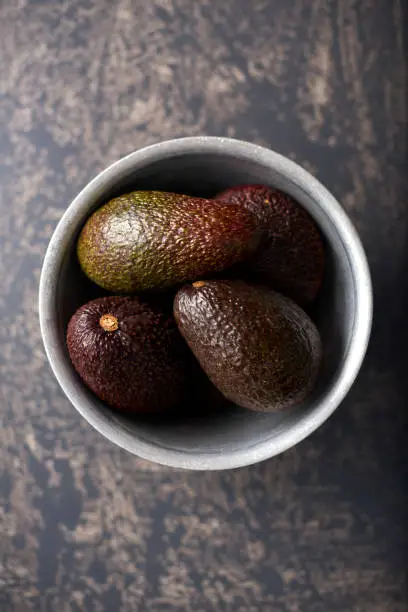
(281, 441)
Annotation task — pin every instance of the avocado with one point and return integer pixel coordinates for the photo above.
(150, 240)
(292, 258)
(129, 352)
(258, 347)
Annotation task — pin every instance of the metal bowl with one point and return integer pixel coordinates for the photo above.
(237, 437)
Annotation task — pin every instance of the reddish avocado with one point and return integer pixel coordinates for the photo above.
(129, 352)
(291, 260)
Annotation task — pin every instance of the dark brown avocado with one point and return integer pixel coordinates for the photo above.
(258, 347)
(130, 353)
(292, 258)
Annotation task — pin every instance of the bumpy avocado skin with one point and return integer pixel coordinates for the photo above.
(140, 367)
(291, 259)
(258, 347)
(151, 240)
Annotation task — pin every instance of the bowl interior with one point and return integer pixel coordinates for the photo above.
(233, 430)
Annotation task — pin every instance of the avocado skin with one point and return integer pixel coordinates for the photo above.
(258, 347)
(142, 367)
(291, 260)
(151, 240)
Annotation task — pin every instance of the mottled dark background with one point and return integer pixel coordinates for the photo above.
(86, 526)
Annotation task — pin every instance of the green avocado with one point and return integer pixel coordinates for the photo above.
(258, 347)
(151, 240)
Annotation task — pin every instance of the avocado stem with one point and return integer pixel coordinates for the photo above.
(109, 322)
(199, 284)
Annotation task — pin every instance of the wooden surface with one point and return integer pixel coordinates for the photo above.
(322, 528)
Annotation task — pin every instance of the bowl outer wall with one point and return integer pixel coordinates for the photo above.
(361, 326)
